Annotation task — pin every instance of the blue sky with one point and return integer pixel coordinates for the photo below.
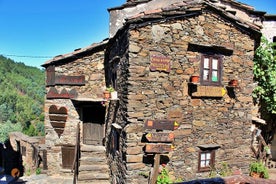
(32, 29)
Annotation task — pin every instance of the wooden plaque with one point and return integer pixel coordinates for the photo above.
(70, 80)
(158, 148)
(161, 124)
(160, 137)
(159, 62)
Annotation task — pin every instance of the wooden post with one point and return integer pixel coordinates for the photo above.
(155, 170)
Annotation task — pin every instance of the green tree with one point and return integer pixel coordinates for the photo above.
(265, 76)
(22, 91)
(6, 128)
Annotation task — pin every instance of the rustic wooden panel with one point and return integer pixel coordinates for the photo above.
(208, 91)
(159, 62)
(55, 110)
(50, 75)
(161, 124)
(93, 133)
(57, 124)
(67, 156)
(64, 94)
(59, 131)
(160, 137)
(158, 148)
(57, 117)
(69, 80)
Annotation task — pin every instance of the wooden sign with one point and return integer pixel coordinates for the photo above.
(50, 76)
(161, 124)
(158, 148)
(209, 91)
(64, 94)
(160, 137)
(159, 62)
(70, 80)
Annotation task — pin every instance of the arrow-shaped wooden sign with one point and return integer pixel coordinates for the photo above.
(160, 137)
(158, 148)
(161, 124)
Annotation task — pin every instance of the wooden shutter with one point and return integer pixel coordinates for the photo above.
(67, 156)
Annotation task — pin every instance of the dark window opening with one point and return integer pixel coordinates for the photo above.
(211, 70)
(115, 140)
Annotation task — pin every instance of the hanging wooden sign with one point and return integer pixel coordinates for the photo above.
(161, 124)
(160, 137)
(158, 148)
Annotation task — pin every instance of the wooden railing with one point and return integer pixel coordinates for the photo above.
(75, 166)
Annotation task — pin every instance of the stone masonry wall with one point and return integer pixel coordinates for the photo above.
(157, 95)
(91, 66)
(117, 109)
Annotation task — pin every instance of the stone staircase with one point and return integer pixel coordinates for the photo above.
(93, 165)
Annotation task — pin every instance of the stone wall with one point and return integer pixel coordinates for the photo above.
(269, 29)
(157, 95)
(92, 67)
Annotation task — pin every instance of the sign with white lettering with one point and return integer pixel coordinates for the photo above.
(159, 62)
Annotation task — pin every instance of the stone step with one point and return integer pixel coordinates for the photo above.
(94, 181)
(93, 159)
(84, 176)
(94, 168)
(92, 148)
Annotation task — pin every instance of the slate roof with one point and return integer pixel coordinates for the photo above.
(80, 52)
(191, 7)
(183, 8)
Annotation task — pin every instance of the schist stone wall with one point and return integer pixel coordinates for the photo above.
(91, 66)
(224, 121)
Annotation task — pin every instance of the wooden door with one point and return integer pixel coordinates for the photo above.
(93, 125)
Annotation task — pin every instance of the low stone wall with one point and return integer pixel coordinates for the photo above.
(32, 151)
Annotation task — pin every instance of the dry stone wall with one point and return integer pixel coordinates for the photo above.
(159, 95)
(92, 67)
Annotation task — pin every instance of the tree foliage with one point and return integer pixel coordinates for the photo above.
(265, 76)
(21, 95)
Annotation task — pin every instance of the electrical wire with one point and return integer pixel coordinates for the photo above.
(25, 56)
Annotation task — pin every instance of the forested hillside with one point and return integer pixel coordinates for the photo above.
(21, 98)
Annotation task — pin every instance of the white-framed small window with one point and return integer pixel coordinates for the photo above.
(206, 160)
(211, 70)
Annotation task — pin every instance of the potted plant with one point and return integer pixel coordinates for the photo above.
(110, 93)
(267, 150)
(195, 79)
(233, 83)
(258, 169)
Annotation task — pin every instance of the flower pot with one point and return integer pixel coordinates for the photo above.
(114, 95)
(233, 83)
(195, 79)
(107, 95)
(255, 174)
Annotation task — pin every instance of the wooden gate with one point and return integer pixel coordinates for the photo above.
(93, 124)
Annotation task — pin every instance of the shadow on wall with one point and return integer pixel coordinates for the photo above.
(11, 160)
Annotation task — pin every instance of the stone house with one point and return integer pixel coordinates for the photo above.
(154, 49)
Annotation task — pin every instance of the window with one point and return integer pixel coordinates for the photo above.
(206, 160)
(211, 70)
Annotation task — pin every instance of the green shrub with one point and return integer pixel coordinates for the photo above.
(259, 167)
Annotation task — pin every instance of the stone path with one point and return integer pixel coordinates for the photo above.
(44, 179)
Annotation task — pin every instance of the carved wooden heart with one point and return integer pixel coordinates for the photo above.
(58, 117)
